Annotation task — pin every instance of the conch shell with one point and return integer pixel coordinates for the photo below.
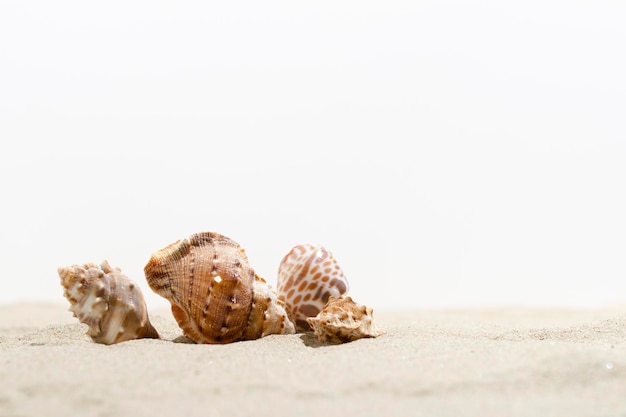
(343, 320)
(107, 301)
(307, 277)
(216, 297)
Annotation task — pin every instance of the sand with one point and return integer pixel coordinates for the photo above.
(490, 362)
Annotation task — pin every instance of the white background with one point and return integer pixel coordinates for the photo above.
(447, 153)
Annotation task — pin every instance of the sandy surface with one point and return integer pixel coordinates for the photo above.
(508, 362)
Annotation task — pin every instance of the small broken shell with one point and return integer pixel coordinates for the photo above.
(307, 277)
(216, 297)
(107, 301)
(343, 320)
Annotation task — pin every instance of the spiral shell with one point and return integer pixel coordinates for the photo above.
(307, 277)
(343, 320)
(107, 301)
(215, 295)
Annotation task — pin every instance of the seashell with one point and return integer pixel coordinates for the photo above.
(343, 320)
(307, 277)
(107, 301)
(216, 297)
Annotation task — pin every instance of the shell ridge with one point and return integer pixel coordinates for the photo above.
(212, 286)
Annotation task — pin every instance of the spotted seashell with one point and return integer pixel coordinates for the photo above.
(343, 320)
(107, 301)
(307, 277)
(216, 297)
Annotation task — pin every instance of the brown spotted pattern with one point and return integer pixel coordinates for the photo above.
(211, 287)
(107, 301)
(307, 277)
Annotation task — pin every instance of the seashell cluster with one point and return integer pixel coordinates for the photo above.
(215, 295)
(107, 301)
(314, 288)
(343, 320)
(307, 277)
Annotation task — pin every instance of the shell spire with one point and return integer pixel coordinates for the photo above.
(215, 295)
(107, 301)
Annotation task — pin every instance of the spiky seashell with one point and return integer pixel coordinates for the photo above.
(343, 320)
(307, 277)
(107, 301)
(216, 297)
